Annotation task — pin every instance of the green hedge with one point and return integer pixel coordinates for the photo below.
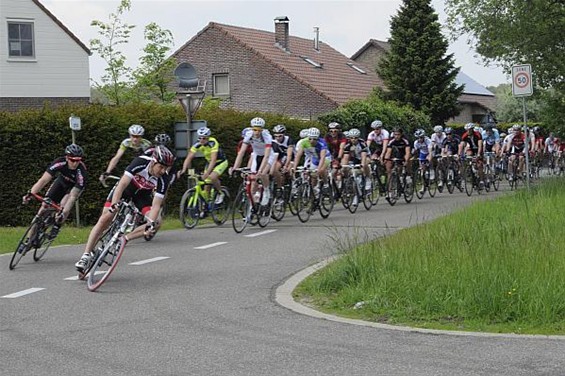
(30, 140)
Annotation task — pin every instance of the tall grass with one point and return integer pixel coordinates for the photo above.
(498, 263)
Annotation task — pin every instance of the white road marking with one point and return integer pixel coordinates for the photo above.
(149, 260)
(24, 292)
(75, 278)
(210, 245)
(260, 233)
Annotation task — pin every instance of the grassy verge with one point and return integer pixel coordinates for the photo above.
(10, 236)
(497, 266)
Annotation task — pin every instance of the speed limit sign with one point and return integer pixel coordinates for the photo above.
(522, 80)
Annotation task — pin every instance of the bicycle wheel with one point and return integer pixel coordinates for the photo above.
(392, 189)
(450, 180)
(355, 196)
(24, 245)
(419, 184)
(327, 201)
(106, 262)
(432, 183)
(375, 194)
(241, 211)
(347, 192)
(440, 179)
(101, 243)
(220, 212)
(371, 196)
(305, 202)
(408, 186)
(468, 180)
(279, 205)
(190, 208)
(44, 239)
(489, 178)
(264, 211)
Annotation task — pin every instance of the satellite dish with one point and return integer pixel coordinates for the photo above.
(186, 76)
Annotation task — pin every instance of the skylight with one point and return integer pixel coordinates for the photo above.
(312, 62)
(356, 68)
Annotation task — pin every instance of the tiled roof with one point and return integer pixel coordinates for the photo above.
(335, 80)
(62, 26)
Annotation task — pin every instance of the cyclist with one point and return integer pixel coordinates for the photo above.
(380, 137)
(472, 145)
(356, 152)
(145, 183)
(262, 157)
(217, 163)
(515, 146)
(335, 140)
(316, 153)
(397, 148)
(283, 146)
(135, 142)
(437, 138)
(551, 147)
(70, 181)
(423, 149)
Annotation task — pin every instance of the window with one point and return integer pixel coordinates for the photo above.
(356, 68)
(20, 39)
(312, 62)
(221, 84)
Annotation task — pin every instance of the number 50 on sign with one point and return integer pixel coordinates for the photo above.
(522, 80)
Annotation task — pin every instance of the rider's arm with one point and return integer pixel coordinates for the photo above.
(265, 161)
(240, 155)
(114, 161)
(407, 154)
(121, 187)
(383, 153)
(42, 182)
(187, 163)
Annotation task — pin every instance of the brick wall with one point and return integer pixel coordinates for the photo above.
(21, 103)
(370, 57)
(255, 84)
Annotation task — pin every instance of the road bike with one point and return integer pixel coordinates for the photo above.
(247, 208)
(110, 246)
(311, 195)
(424, 180)
(40, 233)
(492, 175)
(354, 189)
(471, 178)
(399, 184)
(198, 202)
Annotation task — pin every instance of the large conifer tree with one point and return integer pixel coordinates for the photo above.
(417, 70)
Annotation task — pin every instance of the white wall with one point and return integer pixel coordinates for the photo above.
(60, 67)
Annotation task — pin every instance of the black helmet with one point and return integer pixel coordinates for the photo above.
(162, 139)
(73, 150)
(163, 156)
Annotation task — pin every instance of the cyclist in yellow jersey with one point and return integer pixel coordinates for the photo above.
(217, 162)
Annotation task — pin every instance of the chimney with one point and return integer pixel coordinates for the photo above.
(317, 38)
(281, 32)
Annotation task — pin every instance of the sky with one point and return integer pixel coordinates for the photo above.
(344, 25)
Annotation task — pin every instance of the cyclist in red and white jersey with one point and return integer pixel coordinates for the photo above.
(380, 137)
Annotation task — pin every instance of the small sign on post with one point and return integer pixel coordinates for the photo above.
(522, 80)
(74, 123)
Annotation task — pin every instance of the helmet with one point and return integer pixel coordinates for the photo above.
(162, 139)
(419, 133)
(354, 132)
(477, 128)
(258, 122)
(469, 126)
(334, 125)
(346, 134)
(448, 130)
(314, 132)
(244, 131)
(73, 150)
(279, 128)
(397, 130)
(163, 156)
(304, 133)
(536, 129)
(502, 135)
(516, 127)
(438, 129)
(489, 127)
(377, 124)
(136, 130)
(204, 132)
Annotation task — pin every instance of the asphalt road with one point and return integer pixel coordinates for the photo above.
(212, 310)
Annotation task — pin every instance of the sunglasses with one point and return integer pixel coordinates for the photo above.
(313, 138)
(74, 159)
(203, 137)
(333, 130)
(398, 134)
(279, 135)
(353, 138)
(257, 129)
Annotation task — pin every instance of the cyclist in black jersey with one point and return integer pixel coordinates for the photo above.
(144, 182)
(70, 180)
(283, 147)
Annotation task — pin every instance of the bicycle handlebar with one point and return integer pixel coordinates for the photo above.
(47, 201)
(111, 177)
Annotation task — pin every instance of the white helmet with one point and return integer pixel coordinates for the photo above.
(314, 132)
(516, 127)
(469, 126)
(438, 129)
(419, 133)
(354, 133)
(304, 133)
(136, 130)
(204, 132)
(258, 122)
(377, 124)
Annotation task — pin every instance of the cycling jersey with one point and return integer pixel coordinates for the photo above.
(212, 145)
(378, 139)
(518, 142)
(312, 152)
(398, 147)
(437, 141)
(551, 144)
(142, 181)
(451, 145)
(355, 150)
(127, 144)
(281, 147)
(423, 147)
(334, 143)
(258, 144)
(490, 140)
(472, 139)
(66, 180)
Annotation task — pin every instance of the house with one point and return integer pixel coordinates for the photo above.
(41, 60)
(476, 101)
(273, 71)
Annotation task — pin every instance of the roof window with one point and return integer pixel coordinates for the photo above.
(356, 68)
(312, 62)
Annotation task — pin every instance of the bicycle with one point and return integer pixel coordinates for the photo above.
(424, 181)
(39, 235)
(196, 203)
(471, 176)
(492, 177)
(309, 197)
(379, 176)
(247, 208)
(354, 189)
(399, 184)
(110, 246)
(514, 175)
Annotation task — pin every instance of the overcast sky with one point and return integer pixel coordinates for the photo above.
(344, 25)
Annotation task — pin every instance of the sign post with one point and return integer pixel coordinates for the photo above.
(74, 124)
(522, 87)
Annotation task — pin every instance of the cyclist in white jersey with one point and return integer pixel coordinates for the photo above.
(262, 157)
(380, 137)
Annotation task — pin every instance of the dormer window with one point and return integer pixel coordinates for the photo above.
(356, 68)
(311, 62)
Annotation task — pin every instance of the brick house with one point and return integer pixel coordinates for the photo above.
(273, 71)
(476, 101)
(41, 60)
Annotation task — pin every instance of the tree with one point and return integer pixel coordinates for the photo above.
(417, 70)
(155, 72)
(512, 32)
(509, 109)
(117, 79)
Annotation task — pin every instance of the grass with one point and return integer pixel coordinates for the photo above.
(497, 266)
(10, 236)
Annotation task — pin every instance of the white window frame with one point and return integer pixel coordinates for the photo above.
(215, 85)
(311, 62)
(9, 41)
(356, 68)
